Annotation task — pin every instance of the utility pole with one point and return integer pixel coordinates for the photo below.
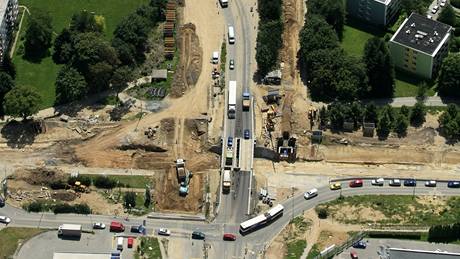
(293, 189)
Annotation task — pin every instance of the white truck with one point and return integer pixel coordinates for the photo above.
(231, 99)
(246, 101)
(69, 230)
(227, 180)
(231, 35)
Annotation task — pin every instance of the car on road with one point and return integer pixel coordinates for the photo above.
(231, 64)
(378, 181)
(410, 182)
(360, 244)
(198, 235)
(2, 202)
(164, 232)
(5, 219)
(98, 225)
(353, 255)
(430, 183)
(229, 142)
(453, 184)
(229, 237)
(130, 242)
(356, 183)
(335, 186)
(311, 193)
(429, 16)
(247, 134)
(395, 182)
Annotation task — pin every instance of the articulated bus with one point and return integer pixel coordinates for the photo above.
(261, 220)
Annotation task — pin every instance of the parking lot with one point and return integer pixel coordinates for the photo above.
(45, 245)
(375, 247)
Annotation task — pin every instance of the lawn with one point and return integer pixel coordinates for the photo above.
(148, 247)
(396, 209)
(130, 181)
(295, 249)
(355, 36)
(9, 238)
(42, 75)
(407, 85)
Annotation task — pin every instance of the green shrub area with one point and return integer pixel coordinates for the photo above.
(11, 236)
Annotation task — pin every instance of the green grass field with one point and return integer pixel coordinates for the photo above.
(133, 181)
(149, 247)
(407, 85)
(42, 75)
(10, 236)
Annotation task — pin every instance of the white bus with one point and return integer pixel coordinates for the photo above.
(261, 220)
(231, 35)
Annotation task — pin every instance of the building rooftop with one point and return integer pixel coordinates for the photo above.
(3, 5)
(384, 1)
(160, 73)
(69, 255)
(421, 33)
(401, 253)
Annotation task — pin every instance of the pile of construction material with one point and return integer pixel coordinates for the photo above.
(168, 31)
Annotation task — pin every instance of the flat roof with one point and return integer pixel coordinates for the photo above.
(68, 255)
(3, 5)
(402, 253)
(384, 1)
(421, 33)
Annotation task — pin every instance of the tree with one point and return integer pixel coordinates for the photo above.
(148, 197)
(401, 124)
(405, 111)
(99, 75)
(449, 78)
(92, 49)
(130, 199)
(63, 49)
(268, 44)
(447, 15)
(323, 117)
(70, 85)
(370, 113)
(38, 34)
(126, 52)
(121, 76)
(417, 116)
(6, 84)
(389, 112)
(22, 102)
(379, 68)
(85, 21)
(317, 34)
(269, 10)
(384, 126)
(333, 11)
(8, 67)
(335, 113)
(132, 30)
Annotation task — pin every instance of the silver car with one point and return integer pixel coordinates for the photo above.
(5, 219)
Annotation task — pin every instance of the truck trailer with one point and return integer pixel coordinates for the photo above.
(69, 230)
(227, 180)
(246, 101)
(231, 99)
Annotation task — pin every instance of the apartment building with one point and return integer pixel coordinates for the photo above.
(377, 12)
(8, 15)
(420, 45)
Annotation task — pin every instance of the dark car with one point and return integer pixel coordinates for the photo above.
(247, 134)
(230, 142)
(198, 235)
(410, 182)
(2, 202)
(453, 184)
(360, 244)
(356, 183)
(137, 229)
(229, 237)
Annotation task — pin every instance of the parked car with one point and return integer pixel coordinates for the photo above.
(136, 229)
(429, 16)
(311, 193)
(360, 244)
(443, 3)
(453, 184)
(130, 242)
(353, 255)
(2, 202)
(198, 235)
(410, 182)
(435, 9)
(98, 225)
(431, 183)
(378, 181)
(116, 226)
(229, 237)
(356, 183)
(395, 182)
(335, 186)
(231, 64)
(229, 142)
(247, 134)
(164, 232)
(5, 219)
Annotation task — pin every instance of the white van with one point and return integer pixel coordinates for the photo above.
(231, 35)
(310, 194)
(215, 57)
(120, 243)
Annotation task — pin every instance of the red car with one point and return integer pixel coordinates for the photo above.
(130, 242)
(116, 226)
(356, 183)
(229, 237)
(353, 255)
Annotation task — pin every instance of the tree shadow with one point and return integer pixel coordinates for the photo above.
(20, 134)
(365, 27)
(36, 57)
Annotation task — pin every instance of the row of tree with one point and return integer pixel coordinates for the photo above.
(269, 35)
(444, 233)
(449, 77)
(385, 119)
(449, 122)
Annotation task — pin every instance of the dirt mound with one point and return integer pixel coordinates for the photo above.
(191, 57)
(64, 195)
(40, 176)
(140, 146)
(293, 21)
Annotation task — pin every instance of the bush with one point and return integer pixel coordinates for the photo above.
(81, 208)
(35, 206)
(85, 180)
(105, 182)
(129, 200)
(455, 3)
(322, 212)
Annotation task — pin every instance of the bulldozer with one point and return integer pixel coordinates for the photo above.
(183, 177)
(78, 187)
